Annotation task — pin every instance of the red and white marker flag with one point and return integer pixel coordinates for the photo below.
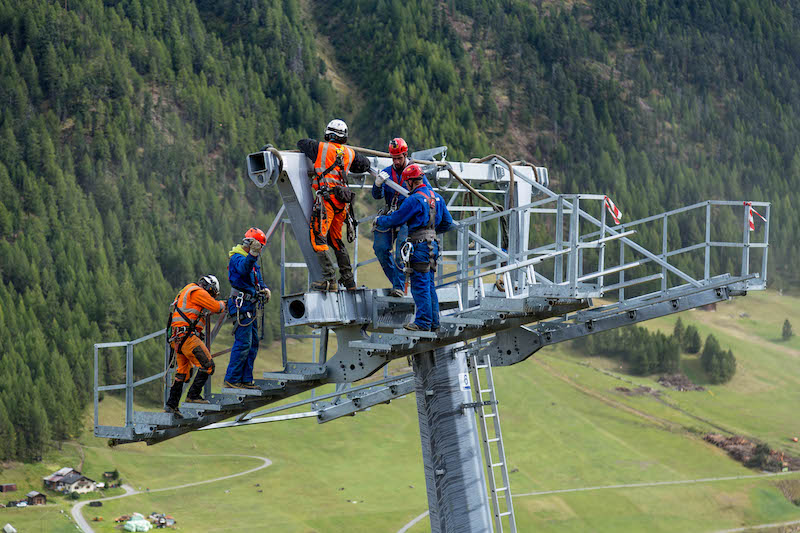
(750, 216)
(616, 214)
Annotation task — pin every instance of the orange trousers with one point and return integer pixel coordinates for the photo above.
(193, 354)
(328, 228)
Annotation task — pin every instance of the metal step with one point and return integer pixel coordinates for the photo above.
(419, 334)
(201, 406)
(282, 376)
(298, 372)
(161, 419)
(265, 388)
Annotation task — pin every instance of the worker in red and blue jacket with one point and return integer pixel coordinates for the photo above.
(426, 214)
(384, 239)
(248, 292)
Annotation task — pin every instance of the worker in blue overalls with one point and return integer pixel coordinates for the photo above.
(426, 214)
(384, 239)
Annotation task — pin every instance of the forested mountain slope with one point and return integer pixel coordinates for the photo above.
(125, 123)
(660, 103)
(122, 135)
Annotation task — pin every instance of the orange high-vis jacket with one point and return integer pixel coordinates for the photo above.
(326, 157)
(192, 301)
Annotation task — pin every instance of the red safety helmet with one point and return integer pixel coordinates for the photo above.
(412, 172)
(398, 146)
(257, 234)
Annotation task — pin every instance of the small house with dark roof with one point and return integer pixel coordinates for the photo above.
(36, 498)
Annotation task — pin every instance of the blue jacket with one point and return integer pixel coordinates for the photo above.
(386, 192)
(244, 275)
(415, 213)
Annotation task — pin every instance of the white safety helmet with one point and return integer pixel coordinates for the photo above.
(336, 131)
(211, 284)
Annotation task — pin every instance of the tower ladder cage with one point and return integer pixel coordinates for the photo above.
(637, 270)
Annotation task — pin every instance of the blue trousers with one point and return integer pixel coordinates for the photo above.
(423, 288)
(243, 354)
(382, 245)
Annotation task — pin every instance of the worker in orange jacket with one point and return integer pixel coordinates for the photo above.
(189, 311)
(332, 161)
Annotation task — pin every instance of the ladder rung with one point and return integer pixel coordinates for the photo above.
(494, 440)
(495, 465)
(485, 390)
(505, 514)
(490, 415)
(501, 489)
(481, 366)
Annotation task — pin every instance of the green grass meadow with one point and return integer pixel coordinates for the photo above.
(565, 426)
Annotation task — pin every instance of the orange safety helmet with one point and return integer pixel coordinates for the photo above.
(412, 172)
(398, 146)
(257, 234)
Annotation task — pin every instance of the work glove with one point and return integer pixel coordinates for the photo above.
(381, 177)
(223, 306)
(255, 247)
(267, 294)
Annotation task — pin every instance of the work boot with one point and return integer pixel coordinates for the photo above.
(349, 283)
(412, 326)
(322, 285)
(174, 399)
(251, 385)
(396, 293)
(174, 412)
(193, 396)
(229, 385)
(196, 400)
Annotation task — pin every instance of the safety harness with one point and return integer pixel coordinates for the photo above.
(182, 333)
(421, 234)
(326, 187)
(239, 297)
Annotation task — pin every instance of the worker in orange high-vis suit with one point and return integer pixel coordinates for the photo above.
(189, 311)
(332, 161)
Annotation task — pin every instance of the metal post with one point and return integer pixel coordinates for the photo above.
(355, 258)
(96, 392)
(664, 250)
(707, 268)
(558, 271)
(621, 262)
(746, 241)
(284, 355)
(766, 247)
(602, 259)
(457, 496)
(129, 385)
(167, 370)
(572, 260)
(463, 266)
(478, 281)
(207, 385)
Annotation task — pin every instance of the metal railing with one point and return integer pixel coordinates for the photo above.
(570, 274)
(129, 384)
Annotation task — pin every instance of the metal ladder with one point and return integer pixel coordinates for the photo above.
(486, 406)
